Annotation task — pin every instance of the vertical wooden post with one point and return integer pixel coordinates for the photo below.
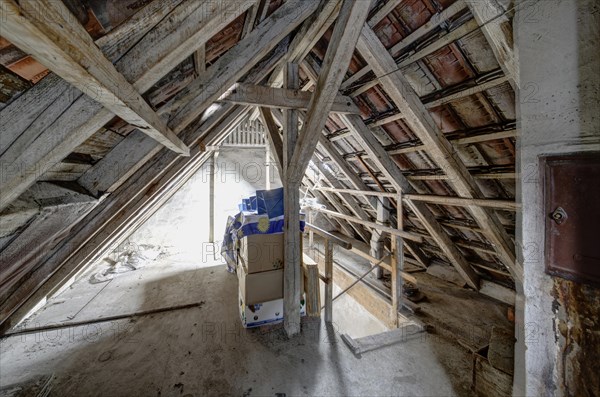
(268, 165)
(292, 271)
(311, 234)
(397, 264)
(211, 198)
(329, 284)
(377, 238)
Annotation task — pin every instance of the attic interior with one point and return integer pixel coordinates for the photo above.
(441, 158)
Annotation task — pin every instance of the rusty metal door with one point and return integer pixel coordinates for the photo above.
(572, 210)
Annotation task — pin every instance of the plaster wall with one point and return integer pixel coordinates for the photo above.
(558, 331)
(182, 224)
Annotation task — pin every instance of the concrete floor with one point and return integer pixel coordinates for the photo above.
(204, 350)
(198, 346)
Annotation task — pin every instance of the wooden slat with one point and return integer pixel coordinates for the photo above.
(497, 29)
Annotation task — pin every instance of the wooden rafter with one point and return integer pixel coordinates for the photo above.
(143, 50)
(51, 34)
(497, 29)
(339, 52)
(401, 184)
(439, 148)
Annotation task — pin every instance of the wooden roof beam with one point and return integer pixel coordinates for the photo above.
(497, 29)
(281, 98)
(48, 31)
(401, 184)
(439, 148)
(339, 53)
(144, 49)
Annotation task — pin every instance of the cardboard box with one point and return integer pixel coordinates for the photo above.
(259, 287)
(262, 252)
(258, 314)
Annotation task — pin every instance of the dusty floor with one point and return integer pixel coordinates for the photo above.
(196, 346)
(203, 350)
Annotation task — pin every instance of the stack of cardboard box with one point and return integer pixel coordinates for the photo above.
(260, 275)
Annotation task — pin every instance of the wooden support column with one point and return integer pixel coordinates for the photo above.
(377, 237)
(292, 271)
(211, 199)
(329, 282)
(268, 164)
(397, 263)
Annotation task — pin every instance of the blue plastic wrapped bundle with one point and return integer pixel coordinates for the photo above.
(270, 202)
(266, 217)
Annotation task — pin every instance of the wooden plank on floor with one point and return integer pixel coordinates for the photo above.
(373, 342)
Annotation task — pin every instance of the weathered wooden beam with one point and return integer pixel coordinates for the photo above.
(292, 251)
(466, 92)
(492, 175)
(275, 140)
(497, 29)
(251, 17)
(397, 261)
(189, 103)
(345, 244)
(401, 184)
(200, 59)
(60, 118)
(47, 30)
(281, 98)
(329, 284)
(440, 149)
(390, 230)
(434, 21)
(383, 12)
(443, 41)
(445, 200)
(339, 52)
